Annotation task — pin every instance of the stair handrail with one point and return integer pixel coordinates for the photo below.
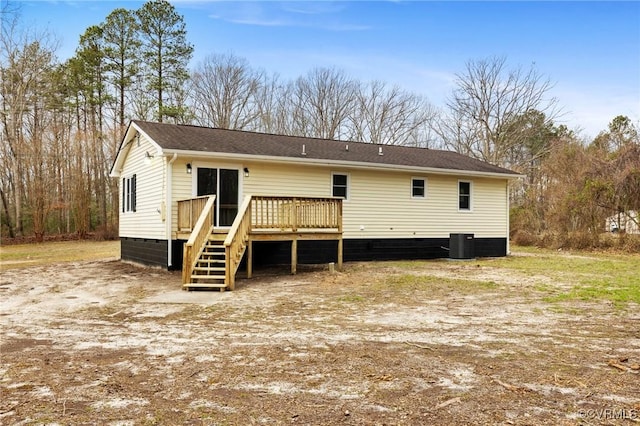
(198, 239)
(236, 241)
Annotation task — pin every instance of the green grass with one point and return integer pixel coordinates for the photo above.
(25, 255)
(592, 276)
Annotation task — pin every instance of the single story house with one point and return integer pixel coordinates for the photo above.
(183, 187)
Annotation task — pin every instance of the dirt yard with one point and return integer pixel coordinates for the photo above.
(402, 343)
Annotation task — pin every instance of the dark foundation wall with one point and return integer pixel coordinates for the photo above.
(145, 251)
(490, 247)
(154, 252)
(314, 252)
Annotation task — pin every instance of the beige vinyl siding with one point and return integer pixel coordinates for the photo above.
(180, 189)
(379, 202)
(287, 180)
(146, 221)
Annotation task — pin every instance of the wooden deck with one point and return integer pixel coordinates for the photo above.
(259, 218)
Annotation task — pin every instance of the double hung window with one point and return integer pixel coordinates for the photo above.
(129, 194)
(464, 196)
(418, 188)
(340, 185)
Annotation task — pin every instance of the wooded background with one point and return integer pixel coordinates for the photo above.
(62, 123)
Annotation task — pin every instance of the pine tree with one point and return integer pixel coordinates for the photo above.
(165, 53)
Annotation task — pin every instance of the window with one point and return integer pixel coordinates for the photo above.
(339, 185)
(464, 195)
(418, 188)
(129, 194)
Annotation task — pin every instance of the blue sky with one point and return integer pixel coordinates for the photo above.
(590, 50)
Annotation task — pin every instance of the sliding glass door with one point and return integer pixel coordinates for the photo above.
(224, 184)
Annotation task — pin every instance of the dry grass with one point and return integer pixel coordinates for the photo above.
(26, 255)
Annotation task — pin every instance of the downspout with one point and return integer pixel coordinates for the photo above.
(169, 209)
(508, 220)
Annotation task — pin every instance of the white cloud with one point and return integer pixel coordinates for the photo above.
(301, 15)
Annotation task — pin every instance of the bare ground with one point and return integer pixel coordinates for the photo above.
(110, 343)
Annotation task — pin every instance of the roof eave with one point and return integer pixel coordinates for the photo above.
(125, 145)
(340, 163)
(123, 149)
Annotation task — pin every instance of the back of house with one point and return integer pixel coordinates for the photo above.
(396, 202)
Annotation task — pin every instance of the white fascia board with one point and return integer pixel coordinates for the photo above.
(125, 146)
(334, 163)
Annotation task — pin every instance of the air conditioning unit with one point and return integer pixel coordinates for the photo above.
(461, 246)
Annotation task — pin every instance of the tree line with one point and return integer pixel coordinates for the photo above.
(62, 122)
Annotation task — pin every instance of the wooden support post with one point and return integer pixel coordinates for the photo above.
(249, 258)
(230, 276)
(294, 256)
(340, 254)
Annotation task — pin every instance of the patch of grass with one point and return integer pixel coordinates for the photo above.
(431, 283)
(620, 296)
(592, 276)
(351, 298)
(26, 255)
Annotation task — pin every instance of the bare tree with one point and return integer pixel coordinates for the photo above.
(485, 103)
(224, 92)
(26, 61)
(388, 116)
(271, 101)
(321, 102)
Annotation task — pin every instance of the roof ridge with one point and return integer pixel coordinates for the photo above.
(281, 135)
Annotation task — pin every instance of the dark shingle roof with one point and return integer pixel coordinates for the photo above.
(172, 137)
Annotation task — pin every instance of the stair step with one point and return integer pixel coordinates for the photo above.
(209, 269)
(189, 286)
(207, 277)
(216, 285)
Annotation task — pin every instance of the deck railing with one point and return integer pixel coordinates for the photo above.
(293, 213)
(236, 241)
(189, 212)
(199, 236)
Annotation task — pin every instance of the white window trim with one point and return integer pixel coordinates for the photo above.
(470, 209)
(348, 175)
(128, 193)
(418, 197)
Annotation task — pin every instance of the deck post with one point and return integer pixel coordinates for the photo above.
(249, 258)
(340, 251)
(294, 256)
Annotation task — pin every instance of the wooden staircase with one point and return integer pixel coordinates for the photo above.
(210, 259)
(210, 269)
(213, 267)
